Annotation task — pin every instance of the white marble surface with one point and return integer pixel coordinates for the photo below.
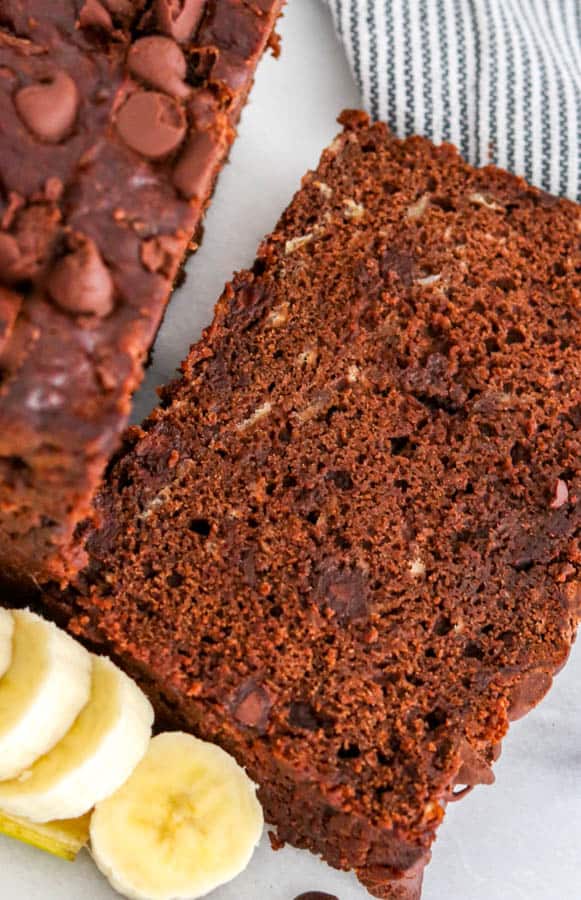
(519, 840)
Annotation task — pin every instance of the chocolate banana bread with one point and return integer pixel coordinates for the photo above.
(346, 547)
(115, 118)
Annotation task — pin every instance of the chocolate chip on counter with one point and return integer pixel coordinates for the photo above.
(94, 15)
(179, 18)
(152, 124)
(161, 63)
(10, 304)
(49, 109)
(81, 282)
(252, 705)
(345, 592)
(197, 165)
(316, 895)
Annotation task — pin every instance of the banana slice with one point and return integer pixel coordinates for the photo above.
(6, 632)
(98, 754)
(185, 822)
(41, 694)
(64, 839)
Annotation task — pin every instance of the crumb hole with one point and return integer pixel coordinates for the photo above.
(515, 336)
(174, 580)
(201, 527)
(342, 479)
(444, 203)
(443, 626)
(519, 453)
(435, 719)
(398, 444)
(473, 651)
(352, 751)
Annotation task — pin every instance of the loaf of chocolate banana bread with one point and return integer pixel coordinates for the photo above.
(115, 119)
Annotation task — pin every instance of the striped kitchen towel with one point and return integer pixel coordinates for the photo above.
(501, 79)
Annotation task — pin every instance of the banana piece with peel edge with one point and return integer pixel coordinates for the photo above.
(186, 822)
(63, 839)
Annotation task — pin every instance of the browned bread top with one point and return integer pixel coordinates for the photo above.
(115, 119)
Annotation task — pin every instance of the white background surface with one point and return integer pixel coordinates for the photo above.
(520, 840)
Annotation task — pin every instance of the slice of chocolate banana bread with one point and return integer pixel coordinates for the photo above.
(347, 545)
(115, 119)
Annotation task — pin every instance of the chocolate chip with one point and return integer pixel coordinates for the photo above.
(179, 18)
(198, 164)
(81, 282)
(302, 715)
(538, 546)
(152, 124)
(399, 264)
(345, 592)
(161, 63)
(49, 109)
(252, 705)
(94, 15)
(527, 693)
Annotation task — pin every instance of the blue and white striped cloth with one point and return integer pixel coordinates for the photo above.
(501, 79)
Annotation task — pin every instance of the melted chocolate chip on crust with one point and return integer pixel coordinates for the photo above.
(152, 124)
(94, 14)
(49, 108)
(161, 63)
(81, 282)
